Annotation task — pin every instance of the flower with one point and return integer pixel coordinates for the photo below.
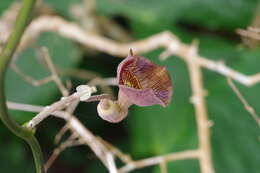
(141, 82)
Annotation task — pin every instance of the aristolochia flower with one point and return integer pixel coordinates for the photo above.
(142, 83)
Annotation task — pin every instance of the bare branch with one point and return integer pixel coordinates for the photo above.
(163, 167)
(24, 107)
(173, 46)
(188, 154)
(48, 110)
(90, 75)
(165, 39)
(59, 105)
(28, 78)
(53, 71)
(111, 163)
(250, 33)
(84, 135)
(249, 108)
(123, 157)
(98, 146)
(104, 81)
(53, 77)
(70, 142)
(62, 131)
(199, 103)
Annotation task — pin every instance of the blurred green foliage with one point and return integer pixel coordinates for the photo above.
(152, 130)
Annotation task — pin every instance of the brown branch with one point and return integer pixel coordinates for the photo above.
(100, 147)
(54, 73)
(62, 131)
(173, 46)
(28, 78)
(165, 39)
(252, 33)
(249, 108)
(59, 105)
(189, 154)
(43, 52)
(84, 135)
(123, 157)
(199, 103)
(163, 167)
(92, 76)
(70, 142)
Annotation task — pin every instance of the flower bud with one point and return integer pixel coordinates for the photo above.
(111, 111)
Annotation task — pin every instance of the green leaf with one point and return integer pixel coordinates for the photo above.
(64, 54)
(209, 13)
(4, 5)
(62, 7)
(156, 130)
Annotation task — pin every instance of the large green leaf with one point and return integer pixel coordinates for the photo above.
(156, 130)
(62, 7)
(63, 53)
(209, 13)
(4, 5)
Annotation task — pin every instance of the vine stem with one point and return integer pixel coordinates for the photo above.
(5, 58)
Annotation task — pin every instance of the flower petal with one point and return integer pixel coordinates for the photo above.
(140, 97)
(139, 73)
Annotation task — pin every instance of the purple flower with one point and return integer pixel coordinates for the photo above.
(142, 83)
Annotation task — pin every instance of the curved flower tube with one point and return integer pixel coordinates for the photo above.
(141, 82)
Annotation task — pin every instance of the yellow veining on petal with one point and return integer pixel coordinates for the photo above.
(131, 80)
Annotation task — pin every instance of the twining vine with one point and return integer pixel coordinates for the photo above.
(7, 53)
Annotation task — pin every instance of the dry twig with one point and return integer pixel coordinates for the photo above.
(173, 46)
(165, 39)
(184, 155)
(251, 32)
(70, 142)
(99, 146)
(43, 52)
(76, 127)
(246, 105)
(199, 103)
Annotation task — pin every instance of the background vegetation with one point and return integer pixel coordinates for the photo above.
(152, 130)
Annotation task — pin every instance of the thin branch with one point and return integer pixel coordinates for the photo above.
(173, 46)
(70, 142)
(59, 105)
(62, 131)
(53, 71)
(99, 146)
(90, 75)
(111, 163)
(246, 105)
(163, 167)
(188, 154)
(165, 39)
(43, 52)
(28, 78)
(250, 33)
(75, 126)
(123, 157)
(199, 103)
(48, 110)
(104, 81)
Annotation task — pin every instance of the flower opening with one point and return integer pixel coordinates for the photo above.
(143, 82)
